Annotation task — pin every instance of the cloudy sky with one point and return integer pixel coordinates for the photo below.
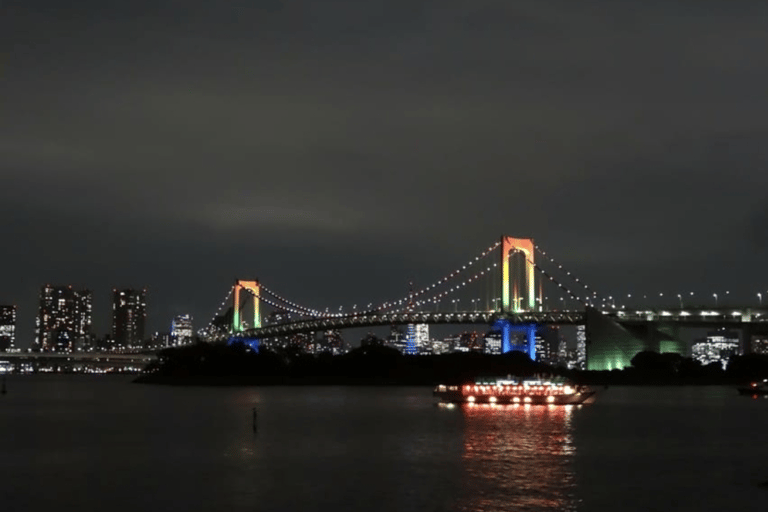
(336, 150)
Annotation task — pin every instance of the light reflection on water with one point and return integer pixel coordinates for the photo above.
(518, 457)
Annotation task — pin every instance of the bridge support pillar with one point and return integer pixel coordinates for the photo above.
(746, 338)
(506, 328)
(530, 335)
(506, 335)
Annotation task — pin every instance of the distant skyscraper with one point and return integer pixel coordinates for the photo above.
(7, 328)
(181, 330)
(542, 348)
(411, 347)
(562, 351)
(129, 315)
(64, 319)
(417, 339)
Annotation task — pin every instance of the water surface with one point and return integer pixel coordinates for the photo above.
(102, 443)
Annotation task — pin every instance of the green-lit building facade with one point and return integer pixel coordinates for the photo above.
(611, 346)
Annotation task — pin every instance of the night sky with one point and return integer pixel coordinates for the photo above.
(336, 150)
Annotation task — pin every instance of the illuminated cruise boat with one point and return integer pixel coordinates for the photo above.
(516, 391)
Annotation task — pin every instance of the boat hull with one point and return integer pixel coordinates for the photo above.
(457, 397)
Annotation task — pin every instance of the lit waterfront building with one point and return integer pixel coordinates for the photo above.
(440, 347)
(548, 343)
(64, 319)
(7, 328)
(471, 341)
(181, 330)
(760, 344)
(161, 339)
(542, 348)
(396, 338)
(562, 351)
(423, 346)
(718, 347)
(129, 315)
(331, 342)
(453, 342)
(410, 340)
(492, 343)
(276, 342)
(581, 348)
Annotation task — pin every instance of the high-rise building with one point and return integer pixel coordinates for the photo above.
(422, 339)
(417, 339)
(7, 328)
(181, 330)
(581, 347)
(562, 351)
(718, 347)
(129, 315)
(64, 319)
(410, 336)
(542, 348)
(548, 343)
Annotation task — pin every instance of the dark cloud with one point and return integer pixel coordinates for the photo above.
(339, 149)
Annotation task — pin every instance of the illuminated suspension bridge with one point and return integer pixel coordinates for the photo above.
(520, 295)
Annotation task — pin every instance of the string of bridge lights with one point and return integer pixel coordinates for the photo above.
(221, 306)
(280, 306)
(437, 298)
(589, 290)
(558, 283)
(391, 304)
(443, 280)
(304, 310)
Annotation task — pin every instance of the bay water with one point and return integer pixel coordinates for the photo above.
(102, 443)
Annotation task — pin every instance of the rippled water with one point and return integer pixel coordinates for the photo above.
(101, 443)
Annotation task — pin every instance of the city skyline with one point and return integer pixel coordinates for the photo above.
(337, 154)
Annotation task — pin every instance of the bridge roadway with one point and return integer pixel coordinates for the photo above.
(684, 317)
(82, 357)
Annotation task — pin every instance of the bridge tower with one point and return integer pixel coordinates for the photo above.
(252, 289)
(523, 297)
(512, 245)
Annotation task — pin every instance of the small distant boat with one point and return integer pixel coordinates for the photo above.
(516, 391)
(754, 388)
